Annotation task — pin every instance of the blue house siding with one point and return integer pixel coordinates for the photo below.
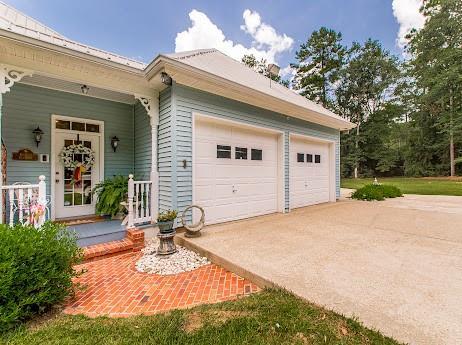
(142, 143)
(184, 101)
(26, 107)
(164, 150)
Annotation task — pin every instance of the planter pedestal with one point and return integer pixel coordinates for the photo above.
(166, 243)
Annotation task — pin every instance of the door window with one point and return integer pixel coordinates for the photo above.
(77, 184)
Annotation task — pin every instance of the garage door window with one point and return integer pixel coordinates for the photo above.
(309, 158)
(256, 155)
(241, 153)
(317, 158)
(300, 157)
(223, 151)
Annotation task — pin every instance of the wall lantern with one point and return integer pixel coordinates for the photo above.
(165, 78)
(85, 89)
(37, 135)
(114, 143)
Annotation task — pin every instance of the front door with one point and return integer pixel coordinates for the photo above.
(73, 196)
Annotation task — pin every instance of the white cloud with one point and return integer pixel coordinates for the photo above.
(408, 16)
(203, 33)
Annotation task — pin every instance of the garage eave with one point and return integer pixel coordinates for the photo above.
(194, 77)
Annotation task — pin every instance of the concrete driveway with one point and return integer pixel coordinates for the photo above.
(396, 265)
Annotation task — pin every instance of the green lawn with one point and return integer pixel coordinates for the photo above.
(269, 317)
(426, 186)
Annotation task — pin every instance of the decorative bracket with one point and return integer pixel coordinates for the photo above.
(10, 75)
(147, 103)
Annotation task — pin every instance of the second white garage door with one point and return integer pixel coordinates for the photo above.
(310, 181)
(235, 170)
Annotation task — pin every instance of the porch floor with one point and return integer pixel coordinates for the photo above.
(89, 234)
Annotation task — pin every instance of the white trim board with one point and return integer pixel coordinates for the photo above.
(55, 117)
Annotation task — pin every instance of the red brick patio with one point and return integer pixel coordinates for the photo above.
(114, 288)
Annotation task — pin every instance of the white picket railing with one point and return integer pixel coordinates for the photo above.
(139, 205)
(22, 200)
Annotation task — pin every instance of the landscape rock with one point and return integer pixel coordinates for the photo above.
(183, 260)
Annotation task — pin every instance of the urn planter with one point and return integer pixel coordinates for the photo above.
(165, 227)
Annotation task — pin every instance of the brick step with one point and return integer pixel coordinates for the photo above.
(133, 242)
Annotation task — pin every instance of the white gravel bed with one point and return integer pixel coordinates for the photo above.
(183, 260)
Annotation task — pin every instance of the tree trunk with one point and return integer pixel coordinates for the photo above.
(451, 135)
(357, 147)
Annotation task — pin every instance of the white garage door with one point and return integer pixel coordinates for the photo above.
(235, 171)
(309, 173)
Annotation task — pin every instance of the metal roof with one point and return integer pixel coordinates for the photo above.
(15, 21)
(215, 62)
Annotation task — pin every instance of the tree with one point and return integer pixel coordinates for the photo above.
(318, 61)
(261, 66)
(436, 60)
(366, 85)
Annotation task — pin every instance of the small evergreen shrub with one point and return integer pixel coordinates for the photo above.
(376, 192)
(390, 191)
(36, 270)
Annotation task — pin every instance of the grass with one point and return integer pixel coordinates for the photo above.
(424, 186)
(269, 317)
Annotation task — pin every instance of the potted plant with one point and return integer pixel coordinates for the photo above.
(165, 221)
(111, 192)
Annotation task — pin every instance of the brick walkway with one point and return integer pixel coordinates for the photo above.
(115, 288)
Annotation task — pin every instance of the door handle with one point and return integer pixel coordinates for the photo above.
(57, 181)
(234, 190)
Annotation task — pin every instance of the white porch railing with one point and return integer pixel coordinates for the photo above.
(140, 206)
(26, 203)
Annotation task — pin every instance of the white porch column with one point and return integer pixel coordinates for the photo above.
(151, 104)
(8, 76)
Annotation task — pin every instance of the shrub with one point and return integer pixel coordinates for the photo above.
(111, 192)
(390, 191)
(376, 192)
(36, 270)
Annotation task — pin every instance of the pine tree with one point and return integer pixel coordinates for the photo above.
(318, 60)
(365, 87)
(436, 58)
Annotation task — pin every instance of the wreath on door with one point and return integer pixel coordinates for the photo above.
(67, 157)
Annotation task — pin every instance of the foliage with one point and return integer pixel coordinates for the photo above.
(167, 216)
(271, 317)
(364, 95)
(436, 69)
(36, 270)
(111, 192)
(408, 114)
(376, 192)
(261, 66)
(318, 62)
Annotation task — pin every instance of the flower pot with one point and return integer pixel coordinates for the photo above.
(165, 227)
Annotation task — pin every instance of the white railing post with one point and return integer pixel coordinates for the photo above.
(42, 190)
(42, 200)
(131, 193)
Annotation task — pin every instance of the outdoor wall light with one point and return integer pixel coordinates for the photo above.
(37, 135)
(114, 143)
(165, 78)
(85, 89)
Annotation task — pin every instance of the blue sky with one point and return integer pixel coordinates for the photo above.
(141, 29)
